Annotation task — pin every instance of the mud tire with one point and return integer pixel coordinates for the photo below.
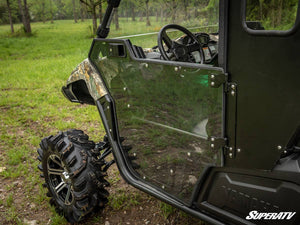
(77, 187)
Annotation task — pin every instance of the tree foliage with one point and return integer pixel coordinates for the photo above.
(4, 14)
(274, 14)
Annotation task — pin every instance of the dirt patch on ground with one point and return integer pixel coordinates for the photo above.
(17, 206)
(24, 201)
(133, 207)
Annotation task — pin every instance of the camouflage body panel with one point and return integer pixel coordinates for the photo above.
(85, 71)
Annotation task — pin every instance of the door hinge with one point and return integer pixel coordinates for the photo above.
(216, 80)
(231, 88)
(217, 142)
(231, 152)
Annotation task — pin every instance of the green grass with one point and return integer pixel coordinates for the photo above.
(166, 209)
(33, 70)
(57, 219)
(9, 200)
(123, 200)
(12, 216)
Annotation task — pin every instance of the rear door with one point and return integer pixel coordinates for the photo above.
(265, 66)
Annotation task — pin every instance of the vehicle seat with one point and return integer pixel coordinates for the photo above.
(138, 51)
(153, 55)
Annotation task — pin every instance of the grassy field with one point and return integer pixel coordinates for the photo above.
(33, 70)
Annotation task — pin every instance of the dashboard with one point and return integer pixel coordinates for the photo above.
(209, 45)
(208, 42)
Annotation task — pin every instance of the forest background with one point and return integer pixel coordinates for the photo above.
(278, 14)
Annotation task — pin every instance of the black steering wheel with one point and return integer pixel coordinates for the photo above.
(181, 52)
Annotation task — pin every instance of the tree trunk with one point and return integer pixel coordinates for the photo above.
(132, 13)
(94, 15)
(141, 16)
(51, 11)
(147, 14)
(117, 19)
(81, 12)
(100, 12)
(273, 14)
(161, 15)
(43, 12)
(25, 16)
(74, 11)
(21, 12)
(279, 13)
(10, 18)
(185, 3)
(261, 9)
(173, 11)
(156, 16)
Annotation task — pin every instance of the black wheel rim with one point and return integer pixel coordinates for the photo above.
(59, 179)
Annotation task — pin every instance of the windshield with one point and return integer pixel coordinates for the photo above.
(140, 21)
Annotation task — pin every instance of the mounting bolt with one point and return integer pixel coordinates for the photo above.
(110, 50)
(212, 145)
(279, 147)
(125, 88)
(212, 83)
(107, 107)
(232, 93)
(284, 151)
(238, 150)
(134, 154)
(212, 76)
(176, 69)
(233, 86)
(146, 65)
(171, 171)
(230, 155)
(110, 130)
(212, 139)
(128, 106)
(230, 149)
(163, 187)
(189, 154)
(144, 177)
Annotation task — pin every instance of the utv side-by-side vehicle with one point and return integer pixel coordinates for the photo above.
(209, 123)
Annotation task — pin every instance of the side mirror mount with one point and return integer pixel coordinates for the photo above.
(104, 28)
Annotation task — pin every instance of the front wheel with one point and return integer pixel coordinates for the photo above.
(73, 174)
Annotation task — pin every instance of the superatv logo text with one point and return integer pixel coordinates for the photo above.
(254, 215)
